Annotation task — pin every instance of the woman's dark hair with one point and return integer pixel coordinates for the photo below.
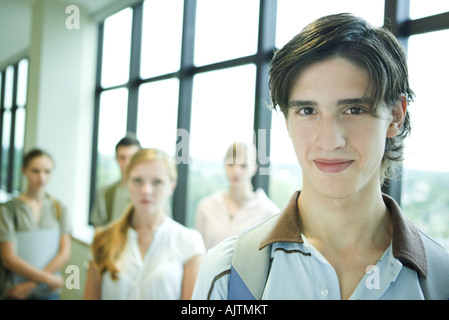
(34, 153)
(376, 50)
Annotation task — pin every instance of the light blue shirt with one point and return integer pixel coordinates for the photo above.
(299, 271)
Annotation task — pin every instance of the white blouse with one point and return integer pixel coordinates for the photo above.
(158, 275)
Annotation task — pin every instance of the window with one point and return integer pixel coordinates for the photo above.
(12, 119)
(161, 51)
(420, 9)
(426, 173)
(157, 114)
(132, 97)
(147, 59)
(116, 48)
(113, 109)
(197, 70)
(225, 30)
(222, 113)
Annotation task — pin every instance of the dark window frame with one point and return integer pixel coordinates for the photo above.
(11, 161)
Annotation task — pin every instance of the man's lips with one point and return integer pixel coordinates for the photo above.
(332, 166)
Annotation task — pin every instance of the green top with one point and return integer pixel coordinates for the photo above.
(17, 216)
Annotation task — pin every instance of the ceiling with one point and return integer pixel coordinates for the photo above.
(15, 22)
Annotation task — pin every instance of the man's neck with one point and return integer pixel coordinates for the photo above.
(361, 220)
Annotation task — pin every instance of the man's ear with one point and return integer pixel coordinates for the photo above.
(399, 111)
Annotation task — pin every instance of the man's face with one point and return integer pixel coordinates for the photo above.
(337, 141)
(124, 155)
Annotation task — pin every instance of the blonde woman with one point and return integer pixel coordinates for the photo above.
(145, 254)
(34, 236)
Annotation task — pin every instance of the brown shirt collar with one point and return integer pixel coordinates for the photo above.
(406, 244)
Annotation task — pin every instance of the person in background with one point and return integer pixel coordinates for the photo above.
(343, 87)
(229, 212)
(111, 200)
(145, 255)
(25, 222)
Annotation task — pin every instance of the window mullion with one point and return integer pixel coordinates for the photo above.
(262, 116)
(134, 70)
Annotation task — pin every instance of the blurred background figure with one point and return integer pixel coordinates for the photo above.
(229, 212)
(111, 200)
(34, 236)
(145, 255)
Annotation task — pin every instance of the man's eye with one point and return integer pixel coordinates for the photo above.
(306, 111)
(355, 110)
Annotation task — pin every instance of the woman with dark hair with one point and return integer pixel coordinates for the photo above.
(34, 235)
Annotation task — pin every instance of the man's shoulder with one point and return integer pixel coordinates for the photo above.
(436, 284)
(108, 188)
(220, 256)
(437, 256)
(434, 249)
(215, 268)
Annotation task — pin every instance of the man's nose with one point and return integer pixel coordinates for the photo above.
(331, 134)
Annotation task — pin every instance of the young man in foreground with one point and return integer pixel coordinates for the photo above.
(343, 88)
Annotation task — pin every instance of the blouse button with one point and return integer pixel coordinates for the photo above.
(324, 292)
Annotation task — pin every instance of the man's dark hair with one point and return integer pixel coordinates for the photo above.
(128, 141)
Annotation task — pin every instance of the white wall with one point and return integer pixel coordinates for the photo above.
(61, 101)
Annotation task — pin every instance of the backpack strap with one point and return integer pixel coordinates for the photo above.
(57, 206)
(436, 285)
(250, 266)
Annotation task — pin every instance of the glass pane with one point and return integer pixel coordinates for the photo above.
(22, 83)
(116, 48)
(222, 113)
(225, 30)
(112, 127)
(157, 116)
(285, 172)
(294, 15)
(426, 177)
(6, 136)
(9, 84)
(420, 8)
(18, 148)
(161, 37)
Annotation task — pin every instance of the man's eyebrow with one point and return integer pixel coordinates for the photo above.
(356, 101)
(351, 101)
(301, 103)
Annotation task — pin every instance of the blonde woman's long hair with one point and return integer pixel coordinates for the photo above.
(110, 241)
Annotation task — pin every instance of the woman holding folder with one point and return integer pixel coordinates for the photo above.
(34, 236)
